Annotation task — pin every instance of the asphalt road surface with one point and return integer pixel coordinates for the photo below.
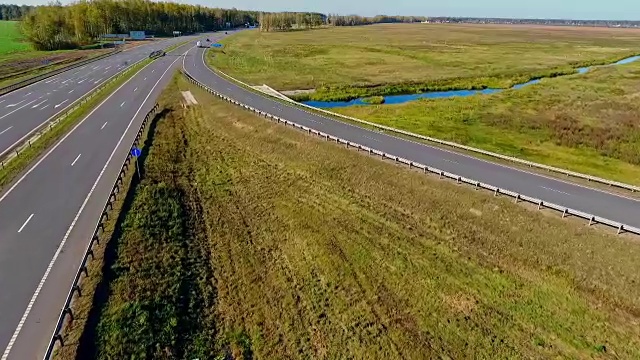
(599, 203)
(48, 216)
(23, 110)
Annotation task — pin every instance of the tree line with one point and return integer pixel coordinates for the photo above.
(355, 20)
(54, 26)
(13, 12)
(284, 21)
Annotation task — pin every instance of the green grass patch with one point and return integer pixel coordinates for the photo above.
(374, 100)
(238, 246)
(18, 164)
(11, 40)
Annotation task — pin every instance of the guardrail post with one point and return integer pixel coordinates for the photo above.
(592, 220)
(517, 198)
(458, 180)
(441, 174)
(564, 213)
(477, 185)
(67, 311)
(59, 339)
(96, 238)
(76, 288)
(495, 193)
(620, 229)
(539, 204)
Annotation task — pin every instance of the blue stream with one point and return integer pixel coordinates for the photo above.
(399, 99)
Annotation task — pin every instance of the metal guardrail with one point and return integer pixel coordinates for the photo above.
(35, 79)
(531, 164)
(17, 148)
(428, 169)
(57, 337)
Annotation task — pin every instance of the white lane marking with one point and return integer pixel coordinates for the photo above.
(46, 82)
(57, 106)
(121, 105)
(7, 351)
(66, 81)
(145, 79)
(136, 89)
(108, 67)
(38, 104)
(1, 101)
(81, 81)
(370, 138)
(72, 90)
(451, 161)
(16, 104)
(28, 94)
(76, 159)
(103, 125)
(25, 223)
(153, 70)
(97, 81)
(554, 190)
(5, 130)
(44, 107)
(27, 104)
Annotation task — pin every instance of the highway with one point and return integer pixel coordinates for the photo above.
(599, 203)
(24, 110)
(48, 216)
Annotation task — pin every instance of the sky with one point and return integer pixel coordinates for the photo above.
(566, 9)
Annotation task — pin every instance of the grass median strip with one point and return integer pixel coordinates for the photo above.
(246, 239)
(50, 135)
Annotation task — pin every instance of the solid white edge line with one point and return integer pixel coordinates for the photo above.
(25, 223)
(15, 335)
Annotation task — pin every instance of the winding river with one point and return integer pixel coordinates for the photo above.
(399, 99)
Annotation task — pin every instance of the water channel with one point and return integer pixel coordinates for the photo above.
(400, 99)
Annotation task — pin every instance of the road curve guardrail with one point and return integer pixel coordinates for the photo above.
(76, 289)
(620, 228)
(531, 164)
(35, 79)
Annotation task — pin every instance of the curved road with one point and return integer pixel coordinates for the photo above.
(599, 203)
(24, 110)
(48, 216)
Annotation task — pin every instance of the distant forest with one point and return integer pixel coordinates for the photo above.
(13, 12)
(53, 27)
(558, 22)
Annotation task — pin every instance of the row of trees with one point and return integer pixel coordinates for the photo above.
(284, 21)
(55, 26)
(355, 20)
(13, 12)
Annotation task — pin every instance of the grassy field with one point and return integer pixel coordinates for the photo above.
(587, 123)
(345, 62)
(250, 240)
(10, 38)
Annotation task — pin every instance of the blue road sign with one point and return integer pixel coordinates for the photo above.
(136, 152)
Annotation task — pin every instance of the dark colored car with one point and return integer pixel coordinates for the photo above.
(157, 53)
